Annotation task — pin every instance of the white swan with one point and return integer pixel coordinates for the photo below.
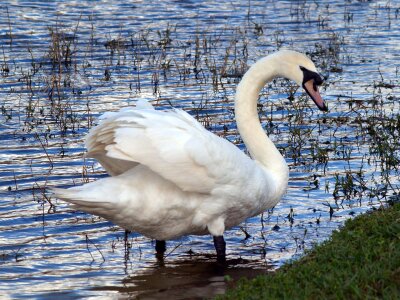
(171, 177)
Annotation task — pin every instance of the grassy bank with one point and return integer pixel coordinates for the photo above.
(361, 261)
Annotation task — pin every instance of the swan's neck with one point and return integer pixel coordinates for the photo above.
(261, 148)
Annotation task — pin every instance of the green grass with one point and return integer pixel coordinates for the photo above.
(361, 261)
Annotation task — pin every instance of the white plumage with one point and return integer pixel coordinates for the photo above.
(171, 177)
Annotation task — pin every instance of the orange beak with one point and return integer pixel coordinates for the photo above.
(312, 90)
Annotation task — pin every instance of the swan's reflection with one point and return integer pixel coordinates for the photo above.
(197, 277)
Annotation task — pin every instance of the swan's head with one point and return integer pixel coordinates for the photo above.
(299, 68)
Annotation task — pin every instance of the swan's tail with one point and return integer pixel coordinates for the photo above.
(74, 195)
(86, 198)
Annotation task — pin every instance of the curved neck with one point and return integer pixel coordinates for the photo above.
(261, 148)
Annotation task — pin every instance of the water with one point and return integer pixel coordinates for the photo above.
(64, 63)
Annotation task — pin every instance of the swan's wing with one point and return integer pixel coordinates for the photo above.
(96, 141)
(172, 144)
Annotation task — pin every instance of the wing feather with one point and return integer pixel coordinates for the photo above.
(172, 144)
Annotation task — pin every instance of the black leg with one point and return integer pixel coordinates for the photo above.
(219, 244)
(160, 247)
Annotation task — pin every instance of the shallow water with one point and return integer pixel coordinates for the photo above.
(64, 63)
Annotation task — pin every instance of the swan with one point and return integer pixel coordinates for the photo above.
(171, 177)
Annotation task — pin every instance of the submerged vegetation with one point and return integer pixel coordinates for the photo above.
(361, 261)
(58, 77)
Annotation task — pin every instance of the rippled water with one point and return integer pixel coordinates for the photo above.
(64, 63)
